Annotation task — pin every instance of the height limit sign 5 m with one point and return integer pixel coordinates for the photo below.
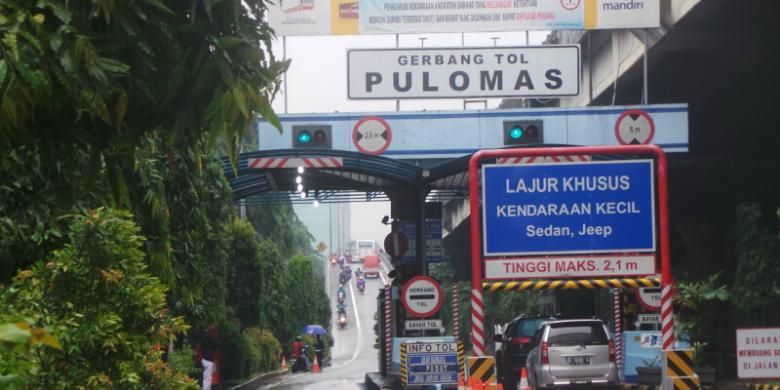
(422, 296)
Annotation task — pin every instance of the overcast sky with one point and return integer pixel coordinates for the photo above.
(317, 83)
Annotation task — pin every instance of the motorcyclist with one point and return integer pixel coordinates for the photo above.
(301, 360)
(342, 291)
(361, 284)
(358, 273)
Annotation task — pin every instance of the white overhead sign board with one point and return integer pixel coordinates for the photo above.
(452, 134)
(540, 71)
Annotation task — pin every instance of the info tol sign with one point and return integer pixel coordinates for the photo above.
(594, 207)
(541, 71)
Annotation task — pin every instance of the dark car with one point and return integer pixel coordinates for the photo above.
(514, 348)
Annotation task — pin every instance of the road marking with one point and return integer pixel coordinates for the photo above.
(382, 275)
(357, 323)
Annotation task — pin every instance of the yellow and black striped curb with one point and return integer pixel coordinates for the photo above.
(759, 386)
(628, 386)
(404, 372)
(685, 382)
(482, 369)
(461, 360)
(569, 284)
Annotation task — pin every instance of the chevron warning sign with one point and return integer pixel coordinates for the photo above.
(678, 366)
(482, 369)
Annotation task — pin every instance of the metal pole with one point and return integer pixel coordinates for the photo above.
(590, 70)
(421, 243)
(527, 38)
(645, 92)
(284, 57)
(330, 225)
(242, 208)
(397, 101)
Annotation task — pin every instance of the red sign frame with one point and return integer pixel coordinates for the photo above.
(478, 335)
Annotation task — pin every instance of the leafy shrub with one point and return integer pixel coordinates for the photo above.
(181, 360)
(97, 300)
(267, 348)
(238, 358)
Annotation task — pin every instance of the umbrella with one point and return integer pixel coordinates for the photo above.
(314, 329)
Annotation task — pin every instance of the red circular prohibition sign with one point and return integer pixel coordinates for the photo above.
(634, 113)
(376, 119)
(439, 301)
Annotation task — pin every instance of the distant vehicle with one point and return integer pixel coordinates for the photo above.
(572, 352)
(366, 248)
(514, 348)
(371, 266)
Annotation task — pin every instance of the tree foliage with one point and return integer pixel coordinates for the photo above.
(756, 282)
(97, 299)
(105, 73)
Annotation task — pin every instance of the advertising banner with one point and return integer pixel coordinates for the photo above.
(540, 71)
(595, 207)
(341, 17)
(420, 16)
(314, 17)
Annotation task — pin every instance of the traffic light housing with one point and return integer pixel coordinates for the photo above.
(523, 132)
(312, 137)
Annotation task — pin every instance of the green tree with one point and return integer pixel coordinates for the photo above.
(756, 282)
(106, 73)
(108, 313)
(308, 303)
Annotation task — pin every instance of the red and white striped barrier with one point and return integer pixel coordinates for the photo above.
(455, 311)
(667, 317)
(477, 322)
(543, 159)
(617, 304)
(295, 162)
(388, 329)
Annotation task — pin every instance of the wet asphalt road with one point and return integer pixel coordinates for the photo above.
(353, 351)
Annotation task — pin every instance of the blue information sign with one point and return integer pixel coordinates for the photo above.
(432, 363)
(594, 207)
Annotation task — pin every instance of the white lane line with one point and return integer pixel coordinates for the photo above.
(382, 275)
(357, 323)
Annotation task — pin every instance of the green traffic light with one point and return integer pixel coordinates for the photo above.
(304, 137)
(516, 132)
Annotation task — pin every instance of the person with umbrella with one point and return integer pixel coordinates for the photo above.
(319, 349)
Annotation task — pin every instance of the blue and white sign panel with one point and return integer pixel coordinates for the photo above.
(595, 207)
(432, 363)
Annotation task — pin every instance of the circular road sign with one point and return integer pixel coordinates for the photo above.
(422, 296)
(649, 298)
(371, 135)
(634, 127)
(396, 244)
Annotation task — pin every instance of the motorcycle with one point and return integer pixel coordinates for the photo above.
(340, 297)
(333, 260)
(342, 320)
(301, 364)
(361, 285)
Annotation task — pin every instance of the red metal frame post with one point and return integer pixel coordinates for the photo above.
(477, 312)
